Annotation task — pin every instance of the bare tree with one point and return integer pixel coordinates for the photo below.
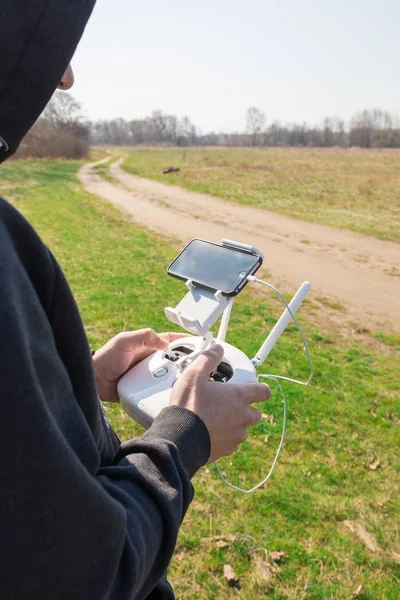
(255, 121)
(137, 131)
(66, 114)
(60, 132)
(186, 132)
(370, 128)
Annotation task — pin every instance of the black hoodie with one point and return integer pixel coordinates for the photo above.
(80, 516)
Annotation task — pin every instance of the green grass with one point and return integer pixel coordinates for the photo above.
(391, 339)
(348, 416)
(352, 189)
(335, 304)
(102, 169)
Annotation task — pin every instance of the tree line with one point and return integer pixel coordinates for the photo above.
(374, 128)
(63, 130)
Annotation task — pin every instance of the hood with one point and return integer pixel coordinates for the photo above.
(37, 41)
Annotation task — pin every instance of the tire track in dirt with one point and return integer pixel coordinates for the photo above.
(360, 271)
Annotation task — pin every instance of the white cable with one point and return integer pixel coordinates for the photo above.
(275, 378)
(256, 280)
(235, 487)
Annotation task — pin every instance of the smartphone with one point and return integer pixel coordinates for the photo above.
(215, 267)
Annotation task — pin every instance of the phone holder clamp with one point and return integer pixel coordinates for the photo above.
(199, 309)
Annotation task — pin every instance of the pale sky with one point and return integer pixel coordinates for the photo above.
(211, 59)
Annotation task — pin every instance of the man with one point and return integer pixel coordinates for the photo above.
(83, 517)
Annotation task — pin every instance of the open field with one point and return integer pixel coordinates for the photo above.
(351, 271)
(353, 189)
(332, 505)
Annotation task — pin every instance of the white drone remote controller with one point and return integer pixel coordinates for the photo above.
(145, 390)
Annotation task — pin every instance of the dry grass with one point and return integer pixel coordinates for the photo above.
(353, 189)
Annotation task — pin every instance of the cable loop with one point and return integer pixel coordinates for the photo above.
(276, 379)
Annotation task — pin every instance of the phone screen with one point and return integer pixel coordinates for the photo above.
(215, 267)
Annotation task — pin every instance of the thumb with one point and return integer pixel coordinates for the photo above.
(208, 361)
(159, 343)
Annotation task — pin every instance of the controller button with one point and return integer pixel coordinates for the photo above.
(160, 373)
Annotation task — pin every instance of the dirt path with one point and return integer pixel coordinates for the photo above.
(361, 272)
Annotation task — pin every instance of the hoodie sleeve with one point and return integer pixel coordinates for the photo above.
(73, 527)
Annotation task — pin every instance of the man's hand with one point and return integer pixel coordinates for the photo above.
(225, 408)
(122, 353)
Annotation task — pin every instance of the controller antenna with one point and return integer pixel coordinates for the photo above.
(282, 323)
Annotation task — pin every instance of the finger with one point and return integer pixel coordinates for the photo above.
(254, 416)
(172, 336)
(243, 436)
(208, 361)
(142, 338)
(255, 392)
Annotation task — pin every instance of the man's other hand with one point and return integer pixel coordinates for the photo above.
(225, 408)
(122, 353)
